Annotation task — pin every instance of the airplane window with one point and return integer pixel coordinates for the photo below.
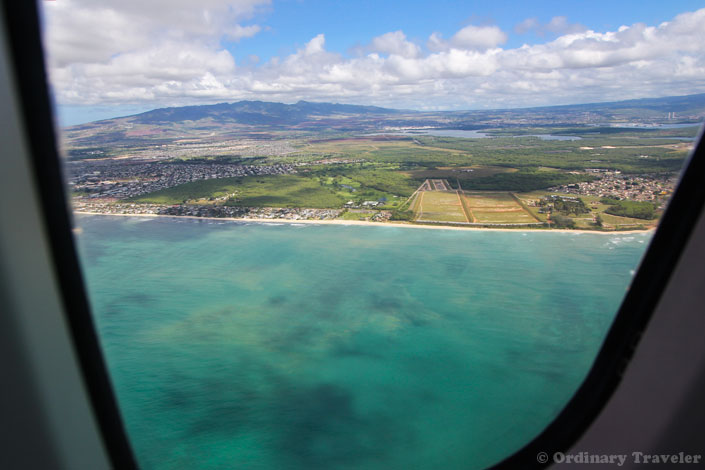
(316, 237)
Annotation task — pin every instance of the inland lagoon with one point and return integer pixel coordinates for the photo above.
(285, 346)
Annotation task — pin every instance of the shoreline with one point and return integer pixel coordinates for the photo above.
(374, 224)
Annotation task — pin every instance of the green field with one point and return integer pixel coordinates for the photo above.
(365, 181)
(260, 191)
(324, 186)
(453, 174)
(439, 206)
(503, 217)
(481, 207)
(497, 208)
(398, 150)
(613, 151)
(490, 199)
(617, 221)
(618, 150)
(357, 215)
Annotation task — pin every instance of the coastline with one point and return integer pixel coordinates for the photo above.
(374, 224)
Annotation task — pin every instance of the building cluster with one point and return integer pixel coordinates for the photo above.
(198, 146)
(189, 148)
(97, 179)
(381, 216)
(615, 185)
(206, 210)
(563, 204)
(333, 161)
(364, 204)
(293, 213)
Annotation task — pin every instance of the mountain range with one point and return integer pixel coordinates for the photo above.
(260, 119)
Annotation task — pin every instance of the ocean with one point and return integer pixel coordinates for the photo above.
(284, 346)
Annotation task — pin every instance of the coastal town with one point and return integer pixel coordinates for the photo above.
(101, 179)
(615, 185)
(203, 210)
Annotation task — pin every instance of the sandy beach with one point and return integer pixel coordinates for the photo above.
(372, 224)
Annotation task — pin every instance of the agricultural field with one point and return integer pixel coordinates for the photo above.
(496, 208)
(439, 206)
(471, 207)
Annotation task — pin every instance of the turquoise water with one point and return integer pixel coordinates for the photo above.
(255, 346)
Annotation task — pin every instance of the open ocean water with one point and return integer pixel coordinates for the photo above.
(255, 346)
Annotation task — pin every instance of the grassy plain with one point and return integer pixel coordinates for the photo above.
(603, 151)
(357, 215)
(452, 174)
(319, 187)
(261, 191)
(496, 207)
(439, 206)
(364, 181)
(381, 150)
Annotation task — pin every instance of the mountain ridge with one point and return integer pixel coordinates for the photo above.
(271, 112)
(266, 120)
(258, 112)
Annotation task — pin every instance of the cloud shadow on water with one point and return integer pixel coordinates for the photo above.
(321, 428)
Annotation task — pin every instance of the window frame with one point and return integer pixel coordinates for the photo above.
(27, 58)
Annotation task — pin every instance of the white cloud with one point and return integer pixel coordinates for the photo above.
(100, 52)
(237, 32)
(529, 24)
(99, 56)
(560, 25)
(480, 37)
(315, 45)
(395, 43)
(469, 37)
(557, 25)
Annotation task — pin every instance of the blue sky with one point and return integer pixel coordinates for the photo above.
(116, 58)
(346, 24)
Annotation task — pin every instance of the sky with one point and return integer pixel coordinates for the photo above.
(109, 58)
